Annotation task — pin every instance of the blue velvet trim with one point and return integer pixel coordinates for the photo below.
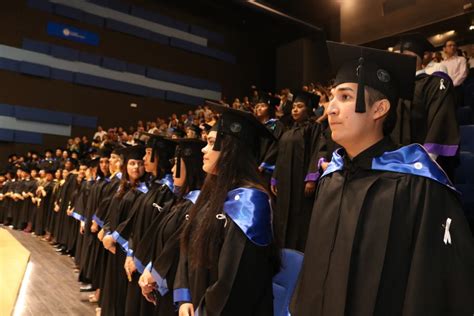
(250, 210)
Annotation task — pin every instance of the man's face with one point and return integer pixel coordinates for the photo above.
(450, 48)
(347, 126)
(59, 152)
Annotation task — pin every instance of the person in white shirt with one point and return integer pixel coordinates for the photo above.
(457, 69)
(100, 133)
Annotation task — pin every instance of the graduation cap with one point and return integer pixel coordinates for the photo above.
(159, 143)
(240, 124)
(24, 167)
(49, 169)
(310, 100)
(73, 161)
(389, 73)
(105, 151)
(206, 127)
(49, 150)
(133, 152)
(196, 129)
(94, 162)
(271, 101)
(416, 43)
(187, 147)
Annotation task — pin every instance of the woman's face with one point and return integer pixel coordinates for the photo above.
(57, 174)
(104, 165)
(261, 110)
(135, 169)
(299, 111)
(179, 182)
(150, 167)
(210, 156)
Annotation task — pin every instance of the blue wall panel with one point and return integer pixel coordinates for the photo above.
(28, 137)
(64, 75)
(127, 28)
(43, 5)
(7, 110)
(64, 52)
(34, 69)
(10, 65)
(158, 18)
(136, 69)
(84, 121)
(6, 135)
(183, 98)
(68, 12)
(93, 19)
(40, 115)
(36, 46)
(90, 58)
(212, 36)
(114, 64)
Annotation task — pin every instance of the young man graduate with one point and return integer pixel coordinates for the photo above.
(387, 234)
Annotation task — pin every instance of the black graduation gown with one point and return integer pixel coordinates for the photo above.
(80, 202)
(377, 240)
(51, 217)
(90, 241)
(240, 282)
(166, 254)
(430, 120)
(26, 209)
(114, 291)
(99, 260)
(63, 221)
(43, 209)
(295, 162)
(18, 205)
(4, 203)
(269, 150)
(145, 216)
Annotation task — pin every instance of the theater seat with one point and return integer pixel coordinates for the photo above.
(464, 115)
(465, 171)
(285, 281)
(467, 138)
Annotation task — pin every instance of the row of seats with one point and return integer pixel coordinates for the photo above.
(139, 32)
(464, 176)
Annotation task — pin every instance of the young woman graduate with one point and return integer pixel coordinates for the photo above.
(131, 187)
(158, 278)
(265, 113)
(294, 179)
(106, 197)
(228, 254)
(44, 195)
(147, 209)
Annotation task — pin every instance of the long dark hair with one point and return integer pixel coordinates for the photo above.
(125, 183)
(202, 236)
(194, 175)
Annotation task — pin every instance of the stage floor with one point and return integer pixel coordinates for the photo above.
(50, 286)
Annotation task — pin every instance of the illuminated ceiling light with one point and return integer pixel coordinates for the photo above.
(471, 27)
(390, 49)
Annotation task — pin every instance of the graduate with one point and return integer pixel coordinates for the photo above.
(44, 195)
(228, 254)
(145, 215)
(430, 119)
(158, 278)
(387, 234)
(131, 187)
(265, 113)
(294, 178)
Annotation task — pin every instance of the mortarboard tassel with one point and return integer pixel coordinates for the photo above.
(360, 101)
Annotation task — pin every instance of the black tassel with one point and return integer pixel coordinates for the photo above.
(360, 101)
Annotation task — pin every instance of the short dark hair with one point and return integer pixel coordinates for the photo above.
(449, 40)
(391, 118)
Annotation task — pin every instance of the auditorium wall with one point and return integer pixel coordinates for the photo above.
(19, 21)
(365, 21)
